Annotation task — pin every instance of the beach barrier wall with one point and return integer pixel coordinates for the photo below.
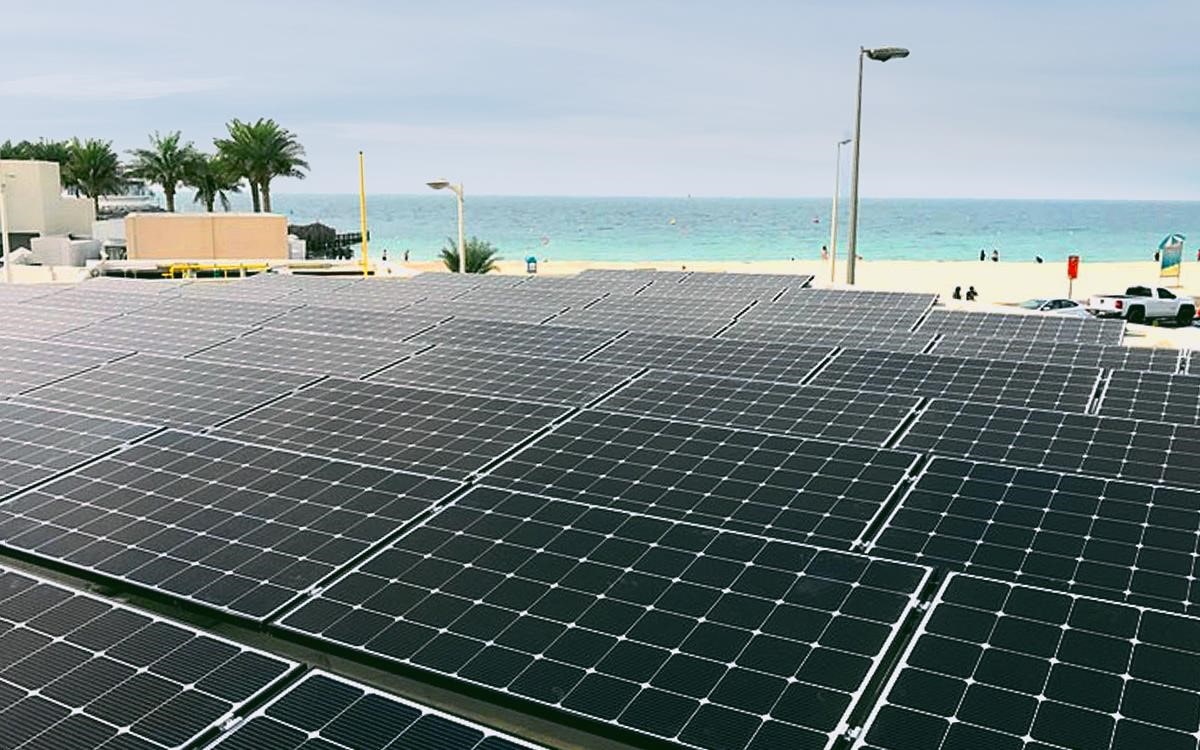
(210, 237)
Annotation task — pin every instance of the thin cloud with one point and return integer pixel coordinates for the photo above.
(115, 86)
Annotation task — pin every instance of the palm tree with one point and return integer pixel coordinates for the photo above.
(213, 180)
(167, 163)
(481, 256)
(94, 169)
(261, 151)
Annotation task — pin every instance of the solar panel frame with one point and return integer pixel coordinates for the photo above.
(80, 671)
(151, 335)
(1025, 326)
(436, 433)
(343, 715)
(641, 322)
(85, 298)
(806, 316)
(355, 323)
(1054, 387)
(312, 353)
(774, 486)
(862, 338)
(216, 310)
(552, 341)
(1153, 396)
(999, 665)
(27, 364)
(726, 602)
(1061, 353)
(678, 307)
(30, 321)
(915, 301)
(530, 313)
(231, 527)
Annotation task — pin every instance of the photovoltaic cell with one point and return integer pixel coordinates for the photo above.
(36, 443)
(999, 666)
(955, 324)
(743, 359)
(779, 408)
(774, 486)
(381, 424)
(238, 528)
(862, 338)
(558, 342)
(27, 364)
(1060, 353)
(703, 638)
(325, 712)
(167, 391)
(1016, 383)
(1154, 396)
(313, 353)
(1129, 542)
(78, 671)
(1156, 452)
(518, 376)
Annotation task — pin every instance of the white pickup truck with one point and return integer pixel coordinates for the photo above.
(1141, 303)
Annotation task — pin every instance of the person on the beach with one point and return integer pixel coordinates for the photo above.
(385, 255)
(957, 292)
(995, 256)
(971, 294)
(982, 255)
(824, 252)
(1038, 258)
(1156, 256)
(405, 256)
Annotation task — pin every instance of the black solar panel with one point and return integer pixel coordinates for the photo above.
(13, 293)
(79, 672)
(310, 352)
(324, 712)
(744, 359)
(28, 364)
(355, 323)
(706, 639)
(238, 528)
(36, 443)
(678, 307)
(1150, 395)
(861, 298)
(773, 486)
(955, 323)
(31, 321)
(780, 408)
(254, 289)
(518, 376)
(1001, 666)
(489, 312)
(152, 335)
(381, 424)
(1115, 540)
(84, 299)
(168, 391)
(616, 320)
(1060, 353)
(1155, 452)
(850, 316)
(862, 338)
(248, 311)
(558, 342)
(1017, 383)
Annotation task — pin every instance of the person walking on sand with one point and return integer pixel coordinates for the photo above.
(995, 256)
(971, 294)
(824, 252)
(982, 255)
(405, 256)
(957, 292)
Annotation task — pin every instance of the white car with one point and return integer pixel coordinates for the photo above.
(1058, 306)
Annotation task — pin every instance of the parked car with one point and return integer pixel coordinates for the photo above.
(1141, 303)
(1058, 306)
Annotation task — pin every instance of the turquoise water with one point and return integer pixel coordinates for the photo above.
(630, 229)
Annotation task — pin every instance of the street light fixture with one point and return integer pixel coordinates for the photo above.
(881, 54)
(837, 188)
(462, 241)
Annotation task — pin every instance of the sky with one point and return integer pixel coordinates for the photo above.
(1096, 99)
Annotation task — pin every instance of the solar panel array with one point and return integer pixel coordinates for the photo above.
(671, 509)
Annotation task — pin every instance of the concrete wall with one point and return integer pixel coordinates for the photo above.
(35, 202)
(206, 237)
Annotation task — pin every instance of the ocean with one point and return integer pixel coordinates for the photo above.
(668, 229)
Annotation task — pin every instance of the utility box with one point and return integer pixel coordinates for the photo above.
(63, 251)
(206, 237)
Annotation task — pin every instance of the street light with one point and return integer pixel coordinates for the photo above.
(4, 228)
(462, 242)
(837, 188)
(882, 54)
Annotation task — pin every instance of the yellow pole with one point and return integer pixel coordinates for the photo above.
(362, 208)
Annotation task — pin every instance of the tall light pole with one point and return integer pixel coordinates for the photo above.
(837, 188)
(462, 239)
(4, 228)
(882, 54)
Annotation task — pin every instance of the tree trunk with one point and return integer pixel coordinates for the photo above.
(209, 202)
(266, 196)
(96, 204)
(170, 195)
(254, 196)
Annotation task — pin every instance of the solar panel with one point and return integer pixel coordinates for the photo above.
(543, 295)
(834, 317)
(532, 313)
(259, 288)
(862, 338)
(32, 321)
(605, 320)
(78, 671)
(27, 364)
(1060, 353)
(1000, 666)
(14, 293)
(235, 527)
(1155, 452)
(215, 310)
(1154, 396)
(703, 638)
(148, 334)
(755, 360)
(1126, 541)
(677, 307)
(85, 298)
(36, 443)
(1017, 383)
(955, 323)
(381, 424)
(324, 712)
(857, 298)
(310, 352)
(556, 342)
(128, 285)
(355, 323)
(778, 408)
(168, 391)
(772, 486)
(517, 376)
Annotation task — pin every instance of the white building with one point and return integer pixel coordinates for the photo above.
(36, 206)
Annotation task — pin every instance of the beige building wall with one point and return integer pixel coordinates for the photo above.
(206, 237)
(35, 203)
